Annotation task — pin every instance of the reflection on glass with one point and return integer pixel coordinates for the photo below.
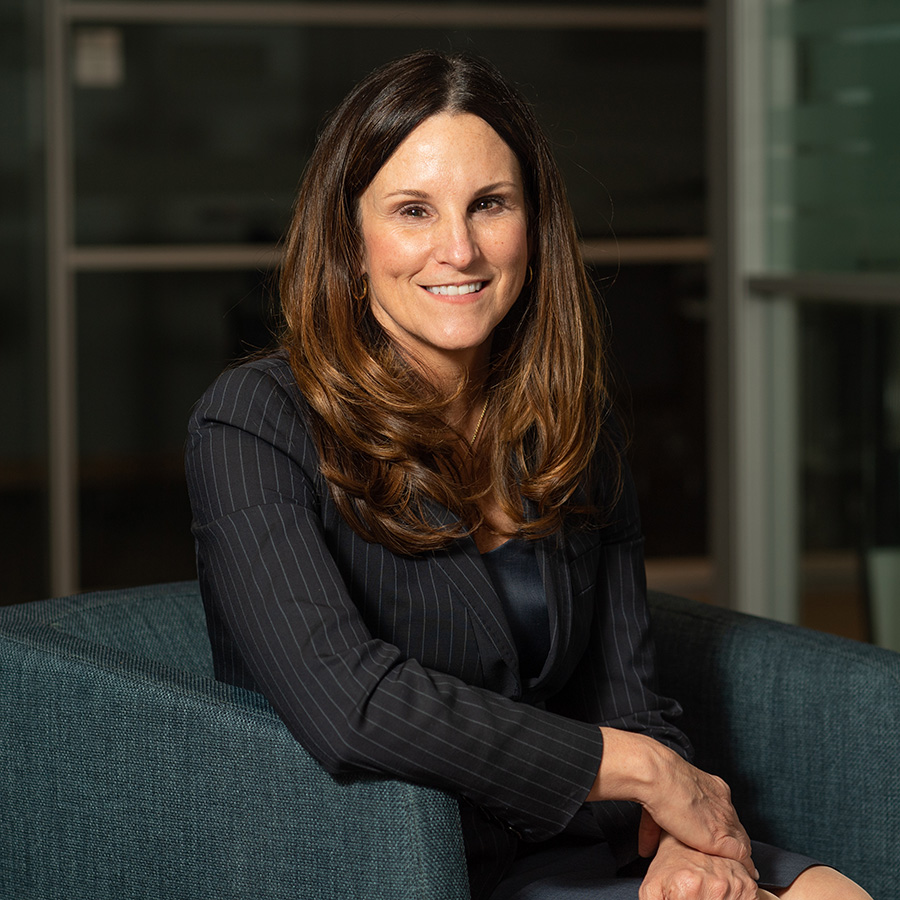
(834, 136)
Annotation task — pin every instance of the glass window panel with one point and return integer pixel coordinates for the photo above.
(149, 345)
(658, 320)
(205, 136)
(336, 4)
(135, 523)
(834, 136)
(200, 135)
(850, 466)
(23, 410)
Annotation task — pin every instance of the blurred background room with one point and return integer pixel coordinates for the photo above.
(734, 167)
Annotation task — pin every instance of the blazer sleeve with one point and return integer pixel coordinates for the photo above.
(353, 701)
(615, 680)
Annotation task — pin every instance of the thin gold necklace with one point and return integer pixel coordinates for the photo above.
(478, 424)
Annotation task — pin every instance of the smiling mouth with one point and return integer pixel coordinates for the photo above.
(455, 290)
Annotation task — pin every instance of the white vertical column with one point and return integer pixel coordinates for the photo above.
(61, 338)
(752, 342)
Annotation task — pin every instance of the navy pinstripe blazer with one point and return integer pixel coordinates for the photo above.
(406, 666)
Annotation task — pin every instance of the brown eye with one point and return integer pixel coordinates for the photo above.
(486, 204)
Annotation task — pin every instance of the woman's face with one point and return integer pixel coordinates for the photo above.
(445, 240)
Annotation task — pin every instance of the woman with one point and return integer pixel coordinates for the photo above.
(415, 532)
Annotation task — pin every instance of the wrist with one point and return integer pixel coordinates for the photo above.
(668, 844)
(629, 767)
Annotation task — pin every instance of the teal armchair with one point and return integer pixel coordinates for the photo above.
(127, 771)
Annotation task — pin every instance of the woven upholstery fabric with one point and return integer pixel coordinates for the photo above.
(804, 726)
(164, 623)
(126, 771)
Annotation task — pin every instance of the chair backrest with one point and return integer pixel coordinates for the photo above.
(162, 623)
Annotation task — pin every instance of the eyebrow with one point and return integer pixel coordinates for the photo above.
(424, 195)
(407, 192)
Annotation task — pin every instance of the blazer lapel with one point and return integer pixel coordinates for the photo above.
(461, 569)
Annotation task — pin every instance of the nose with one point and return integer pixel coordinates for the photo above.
(456, 243)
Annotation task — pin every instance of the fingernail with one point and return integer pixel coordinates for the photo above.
(756, 874)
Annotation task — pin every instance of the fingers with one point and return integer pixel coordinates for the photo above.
(679, 872)
(738, 850)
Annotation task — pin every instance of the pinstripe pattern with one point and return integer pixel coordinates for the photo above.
(405, 666)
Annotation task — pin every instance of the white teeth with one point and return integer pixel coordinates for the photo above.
(454, 290)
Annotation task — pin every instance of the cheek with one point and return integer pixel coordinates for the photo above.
(511, 247)
(390, 255)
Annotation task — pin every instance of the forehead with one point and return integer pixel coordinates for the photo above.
(451, 149)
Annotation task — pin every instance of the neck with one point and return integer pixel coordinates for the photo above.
(448, 369)
(466, 410)
(464, 383)
(470, 371)
(459, 375)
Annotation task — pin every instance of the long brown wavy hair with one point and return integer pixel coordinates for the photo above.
(392, 463)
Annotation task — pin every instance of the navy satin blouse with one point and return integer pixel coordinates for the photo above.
(513, 568)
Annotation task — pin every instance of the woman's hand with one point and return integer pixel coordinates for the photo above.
(678, 798)
(682, 873)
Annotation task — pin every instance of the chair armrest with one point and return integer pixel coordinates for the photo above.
(124, 778)
(802, 725)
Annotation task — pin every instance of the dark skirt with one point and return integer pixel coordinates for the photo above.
(589, 872)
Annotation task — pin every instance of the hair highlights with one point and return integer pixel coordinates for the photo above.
(384, 446)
